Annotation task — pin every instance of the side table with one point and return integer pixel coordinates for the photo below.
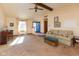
(75, 40)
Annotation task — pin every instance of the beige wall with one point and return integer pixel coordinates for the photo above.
(2, 18)
(12, 20)
(28, 23)
(68, 13)
(29, 26)
(15, 27)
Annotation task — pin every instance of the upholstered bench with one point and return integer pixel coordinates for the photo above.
(52, 41)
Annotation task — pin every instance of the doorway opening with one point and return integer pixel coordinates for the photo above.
(36, 26)
(22, 27)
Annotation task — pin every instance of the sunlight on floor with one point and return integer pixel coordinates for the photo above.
(18, 40)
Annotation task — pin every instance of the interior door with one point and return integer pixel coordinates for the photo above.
(45, 26)
(38, 27)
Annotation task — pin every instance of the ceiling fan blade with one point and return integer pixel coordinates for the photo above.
(40, 9)
(36, 8)
(44, 6)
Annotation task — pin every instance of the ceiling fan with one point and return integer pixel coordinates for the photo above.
(36, 8)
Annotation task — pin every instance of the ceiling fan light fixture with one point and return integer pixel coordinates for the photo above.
(36, 8)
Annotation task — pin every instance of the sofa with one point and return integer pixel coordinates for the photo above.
(63, 36)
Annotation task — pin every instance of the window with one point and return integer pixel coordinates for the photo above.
(22, 27)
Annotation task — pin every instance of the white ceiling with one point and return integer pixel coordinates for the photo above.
(21, 10)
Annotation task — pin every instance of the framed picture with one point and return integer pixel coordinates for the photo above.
(56, 19)
(11, 24)
(57, 24)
